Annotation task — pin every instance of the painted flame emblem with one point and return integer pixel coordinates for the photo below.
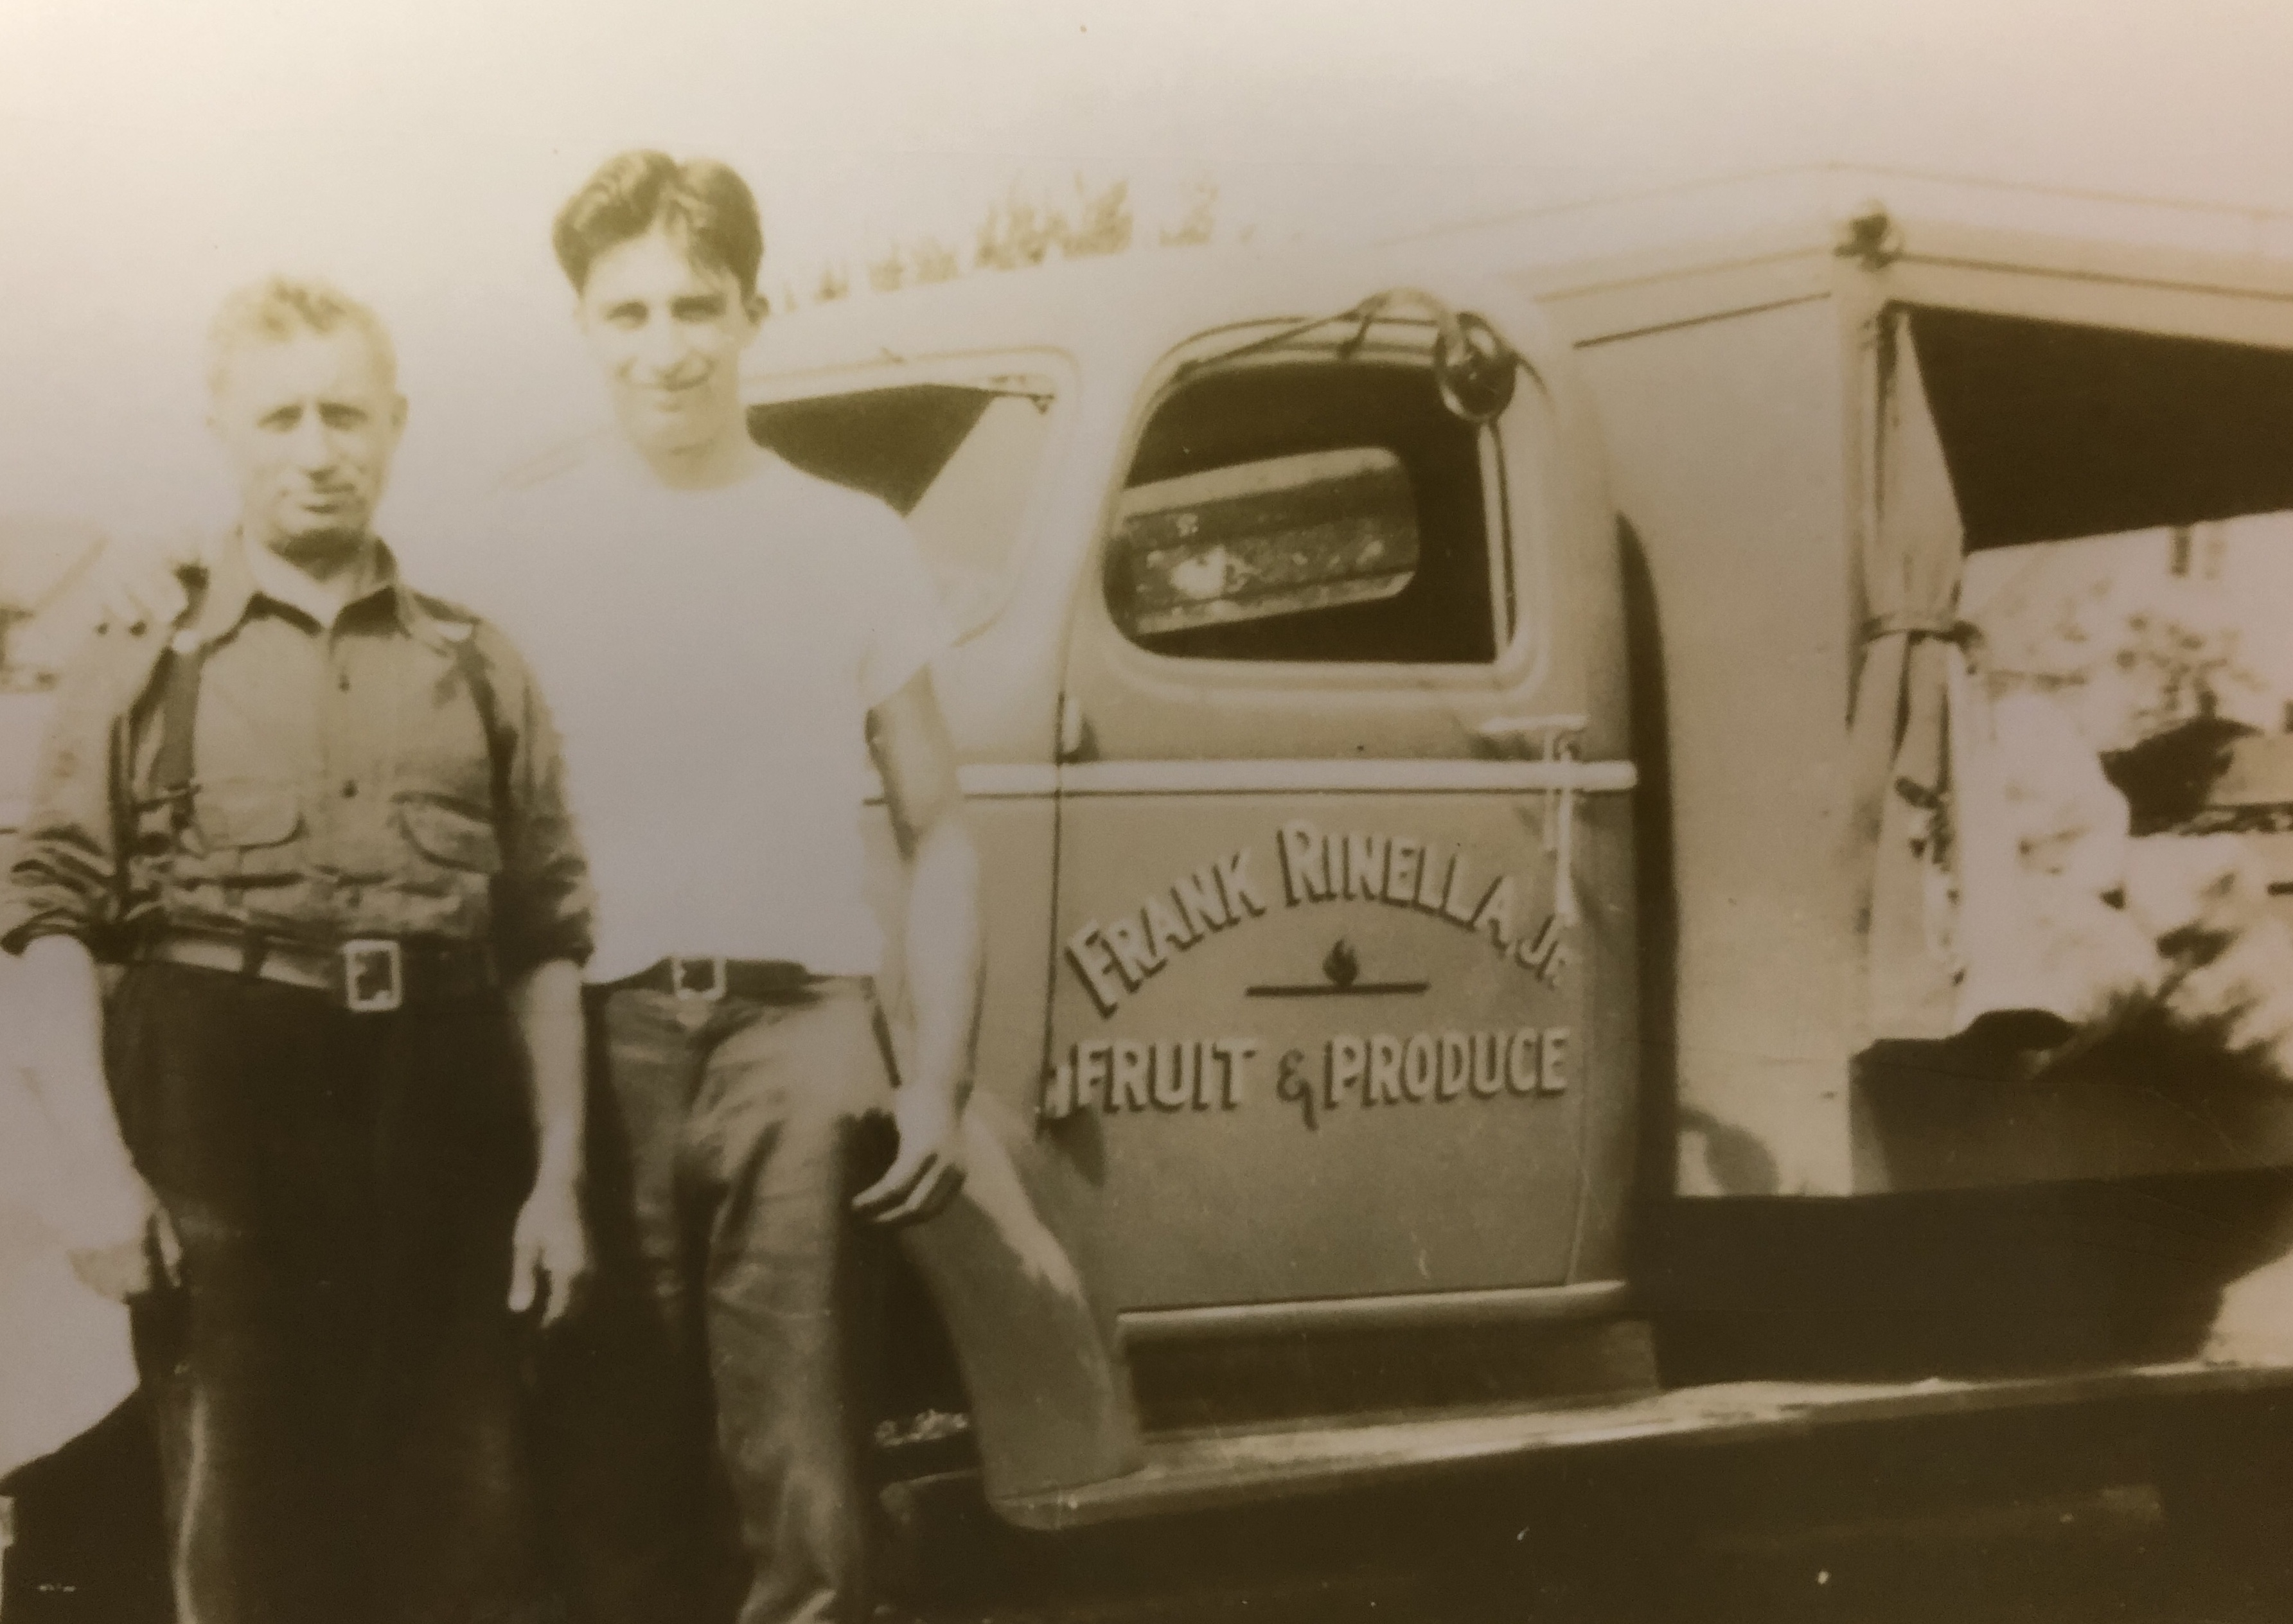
(1342, 966)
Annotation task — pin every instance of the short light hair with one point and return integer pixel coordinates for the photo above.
(280, 308)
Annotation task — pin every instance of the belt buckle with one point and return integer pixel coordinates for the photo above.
(681, 985)
(374, 975)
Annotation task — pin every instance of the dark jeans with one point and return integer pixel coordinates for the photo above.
(337, 1387)
(718, 1351)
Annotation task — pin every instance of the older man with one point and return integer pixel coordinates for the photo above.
(321, 821)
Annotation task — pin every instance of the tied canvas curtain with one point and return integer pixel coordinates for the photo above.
(1934, 865)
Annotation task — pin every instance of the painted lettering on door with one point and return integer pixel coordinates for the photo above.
(1440, 880)
(1347, 1072)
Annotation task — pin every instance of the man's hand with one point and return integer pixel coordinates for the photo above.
(129, 1251)
(927, 1171)
(549, 1253)
(142, 585)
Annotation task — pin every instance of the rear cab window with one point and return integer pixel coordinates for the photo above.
(1275, 539)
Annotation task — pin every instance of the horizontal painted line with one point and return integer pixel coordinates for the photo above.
(1008, 781)
(991, 781)
(1415, 1310)
(1021, 780)
(1359, 989)
(1345, 777)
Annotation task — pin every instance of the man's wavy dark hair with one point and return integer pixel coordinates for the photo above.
(701, 202)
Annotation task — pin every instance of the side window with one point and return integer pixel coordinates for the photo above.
(1322, 511)
(2127, 503)
(959, 461)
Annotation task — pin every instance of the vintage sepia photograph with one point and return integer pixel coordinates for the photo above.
(1036, 811)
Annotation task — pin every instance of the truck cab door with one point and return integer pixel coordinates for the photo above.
(1322, 1009)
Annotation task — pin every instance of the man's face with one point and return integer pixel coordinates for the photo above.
(667, 334)
(309, 423)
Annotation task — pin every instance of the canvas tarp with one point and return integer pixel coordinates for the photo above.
(1940, 923)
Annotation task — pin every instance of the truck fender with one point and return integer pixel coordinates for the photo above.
(1051, 1406)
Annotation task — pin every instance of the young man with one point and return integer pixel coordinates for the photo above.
(322, 822)
(727, 642)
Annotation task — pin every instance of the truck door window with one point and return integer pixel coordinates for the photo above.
(958, 460)
(1319, 512)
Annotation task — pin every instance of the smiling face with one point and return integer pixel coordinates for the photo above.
(667, 334)
(310, 423)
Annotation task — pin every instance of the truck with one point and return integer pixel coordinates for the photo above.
(1457, 733)
(1506, 935)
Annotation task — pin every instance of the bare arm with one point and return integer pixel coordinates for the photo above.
(546, 1003)
(543, 934)
(551, 1253)
(943, 958)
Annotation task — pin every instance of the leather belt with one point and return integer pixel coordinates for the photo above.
(716, 978)
(366, 975)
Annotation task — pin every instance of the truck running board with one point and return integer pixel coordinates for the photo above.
(1229, 1467)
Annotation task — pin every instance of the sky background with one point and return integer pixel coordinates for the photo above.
(154, 153)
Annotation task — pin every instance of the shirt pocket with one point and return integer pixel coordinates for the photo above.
(247, 834)
(451, 836)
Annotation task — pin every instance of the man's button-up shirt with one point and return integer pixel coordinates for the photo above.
(345, 784)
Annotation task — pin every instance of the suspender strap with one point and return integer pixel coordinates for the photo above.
(175, 766)
(481, 695)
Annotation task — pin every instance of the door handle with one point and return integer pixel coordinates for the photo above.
(1553, 739)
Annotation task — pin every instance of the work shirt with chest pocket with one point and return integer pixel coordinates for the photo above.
(347, 781)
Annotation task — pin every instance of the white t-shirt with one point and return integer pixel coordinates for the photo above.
(712, 657)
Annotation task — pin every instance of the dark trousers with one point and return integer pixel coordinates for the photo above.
(710, 1392)
(336, 1386)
